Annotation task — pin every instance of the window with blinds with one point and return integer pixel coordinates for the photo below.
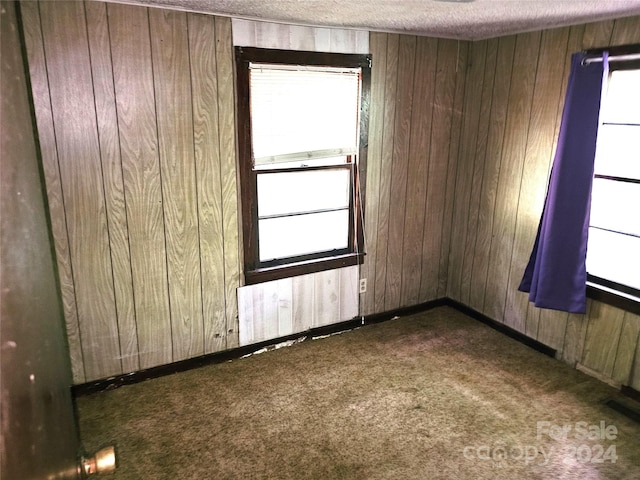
(302, 118)
(613, 253)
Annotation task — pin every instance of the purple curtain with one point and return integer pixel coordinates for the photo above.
(556, 274)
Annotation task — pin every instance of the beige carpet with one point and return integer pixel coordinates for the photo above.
(430, 396)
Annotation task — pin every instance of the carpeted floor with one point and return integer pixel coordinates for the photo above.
(430, 396)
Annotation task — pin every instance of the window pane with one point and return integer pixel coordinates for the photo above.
(303, 234)
(623, 97)
(616, 206)
(618, 153)
(304, 191)
(296, 111)
(614, 257)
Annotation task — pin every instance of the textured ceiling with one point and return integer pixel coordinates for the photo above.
(461, 19)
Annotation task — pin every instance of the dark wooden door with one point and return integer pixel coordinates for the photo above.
(39, 434)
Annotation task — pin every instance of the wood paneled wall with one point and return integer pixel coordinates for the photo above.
(135, 109)
(292, 305)
(250, 33)
(135, 117)
(512, 108)
(135, 114)
(416, 104)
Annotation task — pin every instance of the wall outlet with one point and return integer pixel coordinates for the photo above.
(363, 285)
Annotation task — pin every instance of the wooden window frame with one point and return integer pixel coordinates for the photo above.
(254, 270)
(599, 289)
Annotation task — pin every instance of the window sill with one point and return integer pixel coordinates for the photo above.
(612, 297)
(261, 275)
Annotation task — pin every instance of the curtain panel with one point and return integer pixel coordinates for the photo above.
(556, 274)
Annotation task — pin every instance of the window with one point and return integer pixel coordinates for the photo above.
(302, 134)
(613, 253)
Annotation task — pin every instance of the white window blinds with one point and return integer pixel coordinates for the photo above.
(300, 112)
